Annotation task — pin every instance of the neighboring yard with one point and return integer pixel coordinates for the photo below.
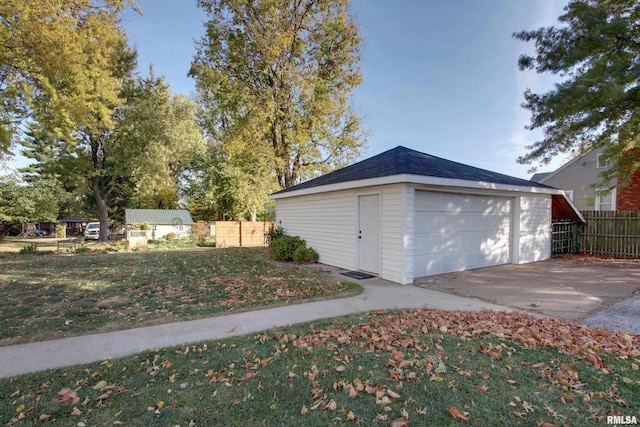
(55, 295)
(413, 367)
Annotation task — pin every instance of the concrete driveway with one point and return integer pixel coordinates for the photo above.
(600, 292)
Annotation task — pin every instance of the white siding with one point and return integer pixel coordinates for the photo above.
(393, 256)
(455, 232)
(329, 221)
(326, 221)
(534, 238)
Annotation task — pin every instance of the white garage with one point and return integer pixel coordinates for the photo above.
(404, 214)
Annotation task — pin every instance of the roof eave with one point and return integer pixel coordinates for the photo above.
(414, 179)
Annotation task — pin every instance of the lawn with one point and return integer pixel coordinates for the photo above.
(59, 295)
(397, 368)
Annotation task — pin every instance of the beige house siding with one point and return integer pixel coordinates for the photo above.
(577, 175)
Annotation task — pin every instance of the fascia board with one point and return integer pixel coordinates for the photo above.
(415, 179)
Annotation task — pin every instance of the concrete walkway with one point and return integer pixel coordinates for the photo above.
(378, 294)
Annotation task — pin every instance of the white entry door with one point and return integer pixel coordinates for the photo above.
(369, 233)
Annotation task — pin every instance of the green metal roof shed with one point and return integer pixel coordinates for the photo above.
(158, 216)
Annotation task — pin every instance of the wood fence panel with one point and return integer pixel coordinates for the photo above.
(614, 233)
(241, 233)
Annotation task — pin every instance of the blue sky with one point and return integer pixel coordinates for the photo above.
(438, 76)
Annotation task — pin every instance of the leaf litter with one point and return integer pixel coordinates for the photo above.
(409, 367)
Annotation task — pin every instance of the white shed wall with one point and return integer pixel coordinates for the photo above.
(534, 234)
(329, 224)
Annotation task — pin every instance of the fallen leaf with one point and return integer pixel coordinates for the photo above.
(482, 387)
(457, 414)
(76, 411)
(393, 394)
(100, 385)
(44, 417)
(104, 396)
(228, 331)
(400, 422)
(304, 410)
(66, 395)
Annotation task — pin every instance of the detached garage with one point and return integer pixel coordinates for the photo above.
(404, 214)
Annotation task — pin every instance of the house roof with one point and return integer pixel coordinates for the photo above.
(540, 176)
(158, 216)
(402, 160)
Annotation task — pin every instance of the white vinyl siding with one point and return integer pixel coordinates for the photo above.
(329, 224)
(455, 232)
(534, 236)
(326, 221)
(393, 256)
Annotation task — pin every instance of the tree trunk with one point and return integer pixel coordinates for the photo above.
(101, 201)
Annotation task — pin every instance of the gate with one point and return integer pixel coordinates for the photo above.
(564, 238)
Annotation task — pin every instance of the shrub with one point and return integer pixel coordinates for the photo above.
(274, 234)
(61, 231)
(305, 255)
(282, 248)
(31, 249)
(141, 226)
(170, 236)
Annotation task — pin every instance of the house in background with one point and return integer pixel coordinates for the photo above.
(577, 176)
(163, 221)
(403, 215)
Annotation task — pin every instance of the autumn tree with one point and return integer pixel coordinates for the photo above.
(54, 63)
(596, 51)
(274, 80)
(137, 161)
(22, 202)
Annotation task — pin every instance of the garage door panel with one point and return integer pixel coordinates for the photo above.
(455, 232)
(433, 222)
(467, 242)
(454, 203)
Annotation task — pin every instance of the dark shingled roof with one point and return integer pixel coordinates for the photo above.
(401, 160)
(537, 177)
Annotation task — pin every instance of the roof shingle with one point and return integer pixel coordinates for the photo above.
(402, 160)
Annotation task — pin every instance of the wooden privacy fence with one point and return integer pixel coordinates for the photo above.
(241, 233)
(614, 233)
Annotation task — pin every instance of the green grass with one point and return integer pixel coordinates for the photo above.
(416, 366)
(59, 295)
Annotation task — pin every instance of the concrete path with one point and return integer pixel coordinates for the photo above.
(378, 294)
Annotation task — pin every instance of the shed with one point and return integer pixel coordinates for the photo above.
(404, 214)
(163, 221)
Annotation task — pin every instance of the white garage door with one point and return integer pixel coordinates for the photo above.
(457, 232)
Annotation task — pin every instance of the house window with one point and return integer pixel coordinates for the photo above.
(606, 202)
(601, 162)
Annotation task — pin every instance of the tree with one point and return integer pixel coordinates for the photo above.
(275, 77)
(223, 186)
(597, 51)
(136, 161)
(55, 63)
(22, 203)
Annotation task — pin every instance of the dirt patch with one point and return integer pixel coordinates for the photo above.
(570, 287)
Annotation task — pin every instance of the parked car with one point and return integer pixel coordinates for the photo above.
(41, 232)
(92, 231)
